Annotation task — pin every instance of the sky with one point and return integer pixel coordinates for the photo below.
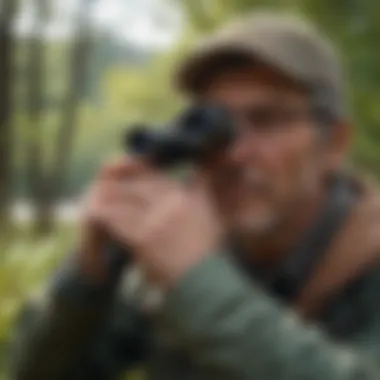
(145, 22)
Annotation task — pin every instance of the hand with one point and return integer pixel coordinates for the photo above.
(94, 237)
(169, 227)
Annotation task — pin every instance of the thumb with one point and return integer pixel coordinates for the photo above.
(199, 184)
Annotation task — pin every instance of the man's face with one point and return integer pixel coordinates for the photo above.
(277, 161)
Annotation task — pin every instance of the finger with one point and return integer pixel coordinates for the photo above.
(125, 222)
(122, 168)
(143, 190)
(160, 213)
(149, 188)
(199, 186)
(132, 219)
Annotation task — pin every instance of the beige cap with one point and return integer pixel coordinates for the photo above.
(285, 42)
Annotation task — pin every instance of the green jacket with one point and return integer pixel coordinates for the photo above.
(230, 329)
(219, 322)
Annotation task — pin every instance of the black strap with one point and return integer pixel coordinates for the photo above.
(294, 273)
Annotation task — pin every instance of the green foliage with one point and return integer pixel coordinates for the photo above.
(25, 265)
(142, 91)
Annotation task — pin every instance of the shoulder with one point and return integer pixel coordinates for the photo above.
(355, 308)
(364, 290)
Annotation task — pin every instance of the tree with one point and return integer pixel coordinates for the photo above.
(47, 161)
(35, 106)
(79, 55)
(6, 140)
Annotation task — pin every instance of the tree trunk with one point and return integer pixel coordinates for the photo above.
(47, 186)
(6, 143)
(34, 144)
(44, 218)
(65, 137)
(66, 133)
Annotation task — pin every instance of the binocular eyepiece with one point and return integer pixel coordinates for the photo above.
(197, 133)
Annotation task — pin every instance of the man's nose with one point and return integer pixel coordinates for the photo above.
(242, 149)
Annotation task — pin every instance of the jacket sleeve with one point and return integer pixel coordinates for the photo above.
(233, 330)
(72, 333)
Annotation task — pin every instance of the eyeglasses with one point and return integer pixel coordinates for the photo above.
(270, 119)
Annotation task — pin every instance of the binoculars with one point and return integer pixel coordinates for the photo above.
(191, 138)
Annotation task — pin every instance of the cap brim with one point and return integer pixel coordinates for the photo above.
(192, 74)
(197, 70)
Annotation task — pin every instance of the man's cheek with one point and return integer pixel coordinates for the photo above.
(279, 166)
(287, 167)
(278, 157)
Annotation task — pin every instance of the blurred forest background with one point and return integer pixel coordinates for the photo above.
(75, 73)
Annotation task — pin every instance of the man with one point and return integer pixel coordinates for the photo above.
(267, 260)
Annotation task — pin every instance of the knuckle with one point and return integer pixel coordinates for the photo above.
(110, 166)
(105, 169)
(179, 200)
(171, 206)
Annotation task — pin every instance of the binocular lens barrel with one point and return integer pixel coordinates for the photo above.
(196, 133)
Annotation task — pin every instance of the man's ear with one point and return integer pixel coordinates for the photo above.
(338, 144)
